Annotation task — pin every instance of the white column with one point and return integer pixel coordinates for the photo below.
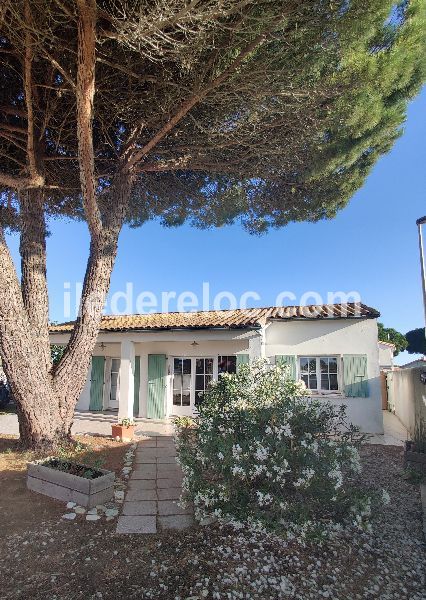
(127, 380)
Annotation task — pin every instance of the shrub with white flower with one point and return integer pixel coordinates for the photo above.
(263, 453)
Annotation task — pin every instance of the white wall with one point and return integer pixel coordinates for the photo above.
(407, 396)
(385, 356)
(335, 337)
(329, 337)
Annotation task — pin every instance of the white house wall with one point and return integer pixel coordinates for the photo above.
(335, 337)
(322, 337)
(385, 356)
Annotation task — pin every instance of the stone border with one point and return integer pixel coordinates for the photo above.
(109, 510)
(64, 486)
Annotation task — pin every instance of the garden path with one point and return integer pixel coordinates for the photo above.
(154, 488)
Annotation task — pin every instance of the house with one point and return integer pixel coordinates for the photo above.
(158, 365)
(386, 350)
(414, 364)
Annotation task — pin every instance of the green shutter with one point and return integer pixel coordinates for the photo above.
(242, 359)
(97, 383)
(289, 361)
(156, 386)
(137, 382)
(355, 375)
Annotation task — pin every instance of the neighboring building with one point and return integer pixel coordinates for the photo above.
(386, 350)
(158, 365)
(419, 362)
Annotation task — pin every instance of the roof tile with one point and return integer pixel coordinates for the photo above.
(238, 318)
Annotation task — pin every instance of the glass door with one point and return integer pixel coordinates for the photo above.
(187, 389)
(182, 386)
(203, 376)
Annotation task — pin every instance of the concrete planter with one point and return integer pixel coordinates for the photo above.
(64, 486)
(414, 460)
(124, 433)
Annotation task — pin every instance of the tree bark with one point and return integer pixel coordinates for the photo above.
(46, 399)
(29, 380)
(71, 372)
(33, 272)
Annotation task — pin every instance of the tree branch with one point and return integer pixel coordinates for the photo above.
(28, 88)
(199, 96)
(21, 183)
(85, 96)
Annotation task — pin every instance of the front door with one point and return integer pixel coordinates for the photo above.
(191, 377)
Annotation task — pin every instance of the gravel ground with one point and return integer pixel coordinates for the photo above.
(69, 561)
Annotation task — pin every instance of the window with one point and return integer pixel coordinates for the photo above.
(115, 370)
(320, 373)
(227, 364)
(203, 376)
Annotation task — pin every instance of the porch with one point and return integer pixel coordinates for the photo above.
(97, 423)
(159, 375)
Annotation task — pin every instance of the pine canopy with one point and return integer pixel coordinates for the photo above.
(265, 111)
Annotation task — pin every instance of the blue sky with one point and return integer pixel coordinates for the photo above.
(371, 247)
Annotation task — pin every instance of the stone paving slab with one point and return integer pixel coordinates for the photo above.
(168, 467)
(128, 524)
(142, 484)
(147, 460)
(166, 460)
(154, 488)
(140, 507)
(133, 495)
(169, 493)
(142, 474)
(175, 521)
(169, 482)
(169, 507)
(147, 444)
(165, 442)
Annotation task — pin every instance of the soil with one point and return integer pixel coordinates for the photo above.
(72, 468)
(21, 509)
(43, 556)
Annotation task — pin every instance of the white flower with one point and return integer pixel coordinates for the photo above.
(263, 499)
(236, 451)
(237, 470)
(261, 453)
(337, 476)
(220, 456)
(385, 497)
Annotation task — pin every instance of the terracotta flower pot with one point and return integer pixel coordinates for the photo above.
(124, 433)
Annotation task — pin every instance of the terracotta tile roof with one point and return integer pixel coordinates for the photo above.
(239, 318)
(387, 344)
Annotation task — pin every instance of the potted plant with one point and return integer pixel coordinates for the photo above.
(124, 430)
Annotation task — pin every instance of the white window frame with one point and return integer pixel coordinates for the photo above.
(317, 357)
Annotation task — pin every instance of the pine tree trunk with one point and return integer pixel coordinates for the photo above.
(29, 380)
(33, 271)
(71, 372)
(46, 399)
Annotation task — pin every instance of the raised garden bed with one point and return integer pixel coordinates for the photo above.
(70, 481)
